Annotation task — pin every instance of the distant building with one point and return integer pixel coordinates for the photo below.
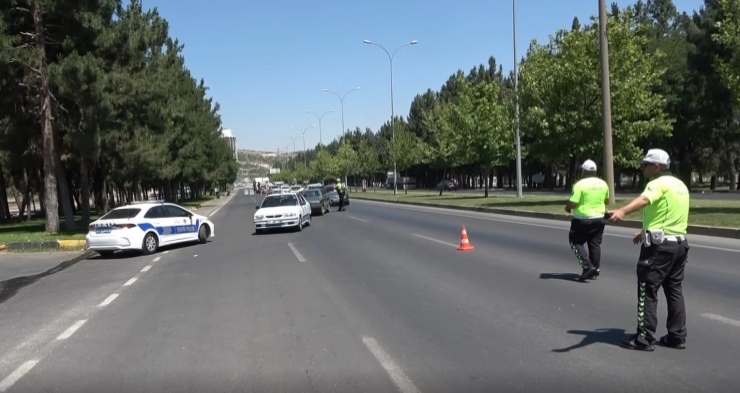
(232, 140)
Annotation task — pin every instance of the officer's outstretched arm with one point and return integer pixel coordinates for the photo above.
(634, 205)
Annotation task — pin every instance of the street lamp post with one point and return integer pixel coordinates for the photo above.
(292, 140)
(341, 100)
(393, 117)
(606, 102)
(319, 117)
(303, 134)
(516, 105)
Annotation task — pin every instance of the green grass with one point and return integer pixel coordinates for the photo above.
(197, 202)
(35, 231)
(715, 213)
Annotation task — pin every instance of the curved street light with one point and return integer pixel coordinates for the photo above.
(393, 116)
(319, 117)
(303, 134)
(341, 100)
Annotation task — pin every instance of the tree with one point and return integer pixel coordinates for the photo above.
(483, 125)
(367, 159)
(324, 166)
(113, 113)
(346, 159)
(404, 149)
(561, 95)
(443, 150)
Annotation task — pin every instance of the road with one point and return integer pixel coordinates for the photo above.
(373, 299)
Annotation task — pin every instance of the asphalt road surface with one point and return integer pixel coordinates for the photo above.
(373, 299)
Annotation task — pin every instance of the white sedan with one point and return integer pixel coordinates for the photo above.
(288, 210)
(145, 226)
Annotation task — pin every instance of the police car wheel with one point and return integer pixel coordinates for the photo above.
(150, 244)
(203, 234)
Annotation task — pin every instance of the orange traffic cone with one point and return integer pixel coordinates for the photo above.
(464, 243)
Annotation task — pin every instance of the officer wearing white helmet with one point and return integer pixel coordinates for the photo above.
(588, 204)
(664, 252)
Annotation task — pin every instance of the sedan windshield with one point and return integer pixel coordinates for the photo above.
(279, 200)
(312, 194)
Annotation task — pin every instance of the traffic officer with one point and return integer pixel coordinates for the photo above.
(588, 203)
(664, 252)
(340, 192)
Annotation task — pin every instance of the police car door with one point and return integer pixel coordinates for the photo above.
(305, 205)
(158, 218)
(181, 225)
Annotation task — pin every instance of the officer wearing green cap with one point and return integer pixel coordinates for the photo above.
(664, 252)
(588, 204)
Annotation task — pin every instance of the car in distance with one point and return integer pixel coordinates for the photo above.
(289, 210)
(146, 226)
(319, 201)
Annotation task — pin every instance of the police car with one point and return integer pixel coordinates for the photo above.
(146, 226)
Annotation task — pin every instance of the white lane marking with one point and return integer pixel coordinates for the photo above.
(431, 239)
(17, 374)
(158, 258)
(108, 300)
(146, 268)
(532, 225)
(129, 282)
(296, 253)
(722, 319)
(402, 381)
(72, 329)
(358, 219)
(167, 251)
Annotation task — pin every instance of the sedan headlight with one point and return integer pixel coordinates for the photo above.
(258, 217)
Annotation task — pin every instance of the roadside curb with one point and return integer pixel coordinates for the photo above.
(731, 233)
(50, 245)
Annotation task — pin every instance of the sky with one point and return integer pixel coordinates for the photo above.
(266, 62)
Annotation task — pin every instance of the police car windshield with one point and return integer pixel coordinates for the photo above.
(118, 214)
(279, 200)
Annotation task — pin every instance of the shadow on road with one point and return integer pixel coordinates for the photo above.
(561, 276)
(10, 287)
(604, 336)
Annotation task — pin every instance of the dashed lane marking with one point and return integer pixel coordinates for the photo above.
(71, 330)
(129, 282)
(146, 268)
(17, 374)
(402, 381)
(108, 300)
(296, 253)
(720, 318)
(431, 239)
(358, 219)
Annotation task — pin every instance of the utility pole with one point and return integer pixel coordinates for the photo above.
(516, 99)
(606, 102)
